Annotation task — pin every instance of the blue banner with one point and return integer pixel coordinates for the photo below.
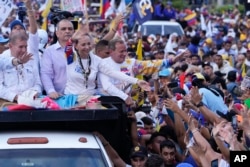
(143, 10)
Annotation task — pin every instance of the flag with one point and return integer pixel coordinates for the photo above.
(73, 5)
(190, 18)
(209, 32)
(203, 23)
(122, 8)
(139, 57)
(139, 50)
(243, 70)
(105, 5)
(169, 48)
(143, 11)
(69, 52)
(45, 14)
(6, 6)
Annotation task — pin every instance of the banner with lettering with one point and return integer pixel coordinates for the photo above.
(72, 5)
(6, 7)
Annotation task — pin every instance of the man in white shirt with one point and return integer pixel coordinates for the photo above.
(223, 65)
(17, 26)
(16, 80)
(118, 61)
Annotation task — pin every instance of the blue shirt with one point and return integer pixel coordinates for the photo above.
(212, 101)
(193, 49)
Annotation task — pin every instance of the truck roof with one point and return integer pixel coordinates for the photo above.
(54, 140)
(111, 122)
(111, 112)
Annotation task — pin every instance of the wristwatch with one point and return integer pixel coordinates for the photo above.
(200, 104)
(18, 61)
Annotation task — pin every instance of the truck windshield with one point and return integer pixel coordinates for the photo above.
(161, 29)
(52, 158)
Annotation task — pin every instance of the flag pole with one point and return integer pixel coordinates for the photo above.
(86, 16)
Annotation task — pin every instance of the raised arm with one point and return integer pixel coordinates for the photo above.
(202, 142)
(210, 116)
(113, 27)
(31, 17)
(105, 69)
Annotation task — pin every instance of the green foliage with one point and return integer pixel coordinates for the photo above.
(178, 4)
(223, 8)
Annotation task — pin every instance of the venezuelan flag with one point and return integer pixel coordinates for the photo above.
(69, 52)
(191, 19)
(105, 4)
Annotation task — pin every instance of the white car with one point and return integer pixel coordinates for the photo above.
(52, 149)
(159, 27)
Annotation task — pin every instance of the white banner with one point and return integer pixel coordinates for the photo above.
(6, 7)
(72, 5)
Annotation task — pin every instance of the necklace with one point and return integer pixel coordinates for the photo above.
(86, 72)
(19, 70)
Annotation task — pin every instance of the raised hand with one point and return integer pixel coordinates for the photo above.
(170, 104)
(245, 114)
(25, 58)
(144, 85)
(129, 101)
(191, 123)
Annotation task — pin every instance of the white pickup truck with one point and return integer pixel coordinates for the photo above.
(51, 149)
(43, 138)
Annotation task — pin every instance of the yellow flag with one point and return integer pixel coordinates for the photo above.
(243, 69)
(139, 57)
(45, 14)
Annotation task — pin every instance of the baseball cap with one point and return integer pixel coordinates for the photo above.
(43, 35)
(209, 41)
(138, 151)
(140, 114)
(206, 64)
(184, 165)
(164, 73)
(198, 76)
(16, 22)
(3, 40)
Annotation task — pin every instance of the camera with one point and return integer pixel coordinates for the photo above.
(57, 15)
(21, 13)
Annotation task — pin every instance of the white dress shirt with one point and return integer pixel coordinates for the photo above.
(76, 81)
(114, 87)
(14, 80)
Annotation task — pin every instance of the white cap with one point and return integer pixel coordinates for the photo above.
(43, 36)
(140, 114)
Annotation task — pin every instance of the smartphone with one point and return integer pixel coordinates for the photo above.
(160, 103)
(235, 123)
(214, 163)
(173, 85)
